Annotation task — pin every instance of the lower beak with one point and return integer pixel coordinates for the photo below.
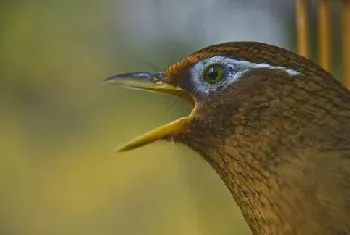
(152, 82)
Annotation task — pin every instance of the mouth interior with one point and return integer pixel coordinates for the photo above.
(153, 82)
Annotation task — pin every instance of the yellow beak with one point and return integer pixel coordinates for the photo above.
(152, 82)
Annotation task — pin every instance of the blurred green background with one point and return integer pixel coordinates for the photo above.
(59, 173)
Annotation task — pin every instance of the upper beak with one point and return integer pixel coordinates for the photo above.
(143, 80)
(157, 82)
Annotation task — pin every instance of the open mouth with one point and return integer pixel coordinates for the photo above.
(156, 82)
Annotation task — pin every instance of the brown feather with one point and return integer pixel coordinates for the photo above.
(280, 143)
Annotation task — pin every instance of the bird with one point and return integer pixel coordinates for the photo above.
(273, 125)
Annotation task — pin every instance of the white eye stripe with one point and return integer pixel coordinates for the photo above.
(248, 64)
(234, 69)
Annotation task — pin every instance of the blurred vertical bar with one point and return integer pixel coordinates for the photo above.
(325, 34)
(302, 20)
(345, 8)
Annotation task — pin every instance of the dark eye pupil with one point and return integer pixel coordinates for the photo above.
(212, 73)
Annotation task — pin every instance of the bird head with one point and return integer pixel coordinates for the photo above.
(221, 81)
(274, 126)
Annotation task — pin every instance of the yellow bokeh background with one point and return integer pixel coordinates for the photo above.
(59, 173)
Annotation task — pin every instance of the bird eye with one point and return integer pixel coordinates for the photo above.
(213, 73)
